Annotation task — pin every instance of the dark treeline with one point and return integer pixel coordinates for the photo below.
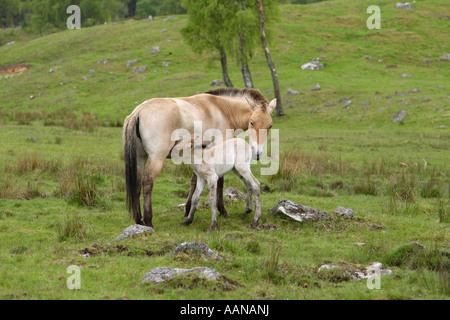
(45, 16)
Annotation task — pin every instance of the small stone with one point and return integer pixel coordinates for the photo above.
(134, 230)
(103, 61)
(164, 30)
(137, 70)
(313, 65)
(166, 63)
(292, 92)
(154, 50)
(162, 274)
(400, 116)
(347, 104)
(197, 247)
(217, 83)
(445, 57)
(297, 211)
(131, 62)
(405, 5)
(369, 58)
(406, 75)
(344, 212)
(316, 88)
(233, 194)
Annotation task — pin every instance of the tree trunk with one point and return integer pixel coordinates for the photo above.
(246, 75)
(132, 8)
(223, 61)
(276, 85)
(243, 63)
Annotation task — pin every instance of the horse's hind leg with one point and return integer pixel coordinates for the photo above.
(220, 203)
(153, 170)
(141, 160)
(187, 207)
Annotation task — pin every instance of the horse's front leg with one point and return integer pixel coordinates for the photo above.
(220, 201)
(187, 207)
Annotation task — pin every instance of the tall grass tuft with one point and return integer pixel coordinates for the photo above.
(80, 184)
(73, 227)
(271, 266)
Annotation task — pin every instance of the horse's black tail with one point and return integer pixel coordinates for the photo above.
(130, 135)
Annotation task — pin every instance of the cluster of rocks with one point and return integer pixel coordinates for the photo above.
(314, 65)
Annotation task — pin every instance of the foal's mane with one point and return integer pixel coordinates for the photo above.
(252, 94)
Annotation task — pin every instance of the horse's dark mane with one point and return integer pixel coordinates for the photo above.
(253, 94)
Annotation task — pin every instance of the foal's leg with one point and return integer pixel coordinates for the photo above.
(253, 186)
(220, 203)
(256, 188)
(195, 198)
(153, 170)
(249, 200)
(187, 207)
(212, 183)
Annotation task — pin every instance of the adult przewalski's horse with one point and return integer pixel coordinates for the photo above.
(147, 135)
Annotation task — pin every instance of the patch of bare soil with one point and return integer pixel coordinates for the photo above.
(13, 69)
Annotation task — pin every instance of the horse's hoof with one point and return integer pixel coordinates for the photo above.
(225, 214)
(186, 223)
(245, 214)
(254, 224)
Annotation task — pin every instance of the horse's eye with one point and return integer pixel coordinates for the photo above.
(251, 123)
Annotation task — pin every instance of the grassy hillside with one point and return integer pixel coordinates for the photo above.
(62, 181)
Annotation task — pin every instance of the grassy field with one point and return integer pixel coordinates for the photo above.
(62, 190)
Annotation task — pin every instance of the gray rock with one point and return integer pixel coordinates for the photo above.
(406, 75)
(170, 18)
(9, 44)
(366, 103)
(292, 92)
(91, 71)
(161, 274)
(164, 30)
(405, 5)
(131, 62)
(347, 104)
(103, 61)
(427, 60)
(316, 88)
(166, 63)
(400, 116)
(445, 57)
(134, 230)
(233, 194)
(369, 58)
(150, 18)
(313, 65)
(217, 83)
(414, 90)
(137, 70)
(154, 50)
(197, 247)
(297, 211)
(344, 212)
(358, 272)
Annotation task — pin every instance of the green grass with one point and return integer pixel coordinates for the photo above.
(62, 191)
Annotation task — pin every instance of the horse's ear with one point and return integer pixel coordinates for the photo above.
(251, 103)
(272, 106)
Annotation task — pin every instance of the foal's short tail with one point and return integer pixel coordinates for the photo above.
(130, 135)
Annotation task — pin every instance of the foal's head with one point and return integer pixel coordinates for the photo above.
(259, 125)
